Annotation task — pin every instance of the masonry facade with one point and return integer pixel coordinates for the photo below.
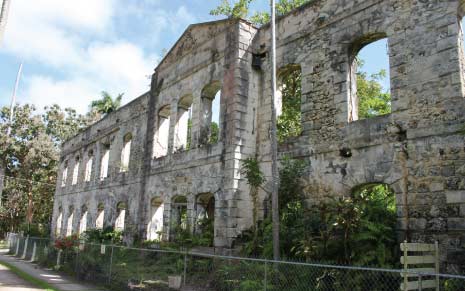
(174, 168)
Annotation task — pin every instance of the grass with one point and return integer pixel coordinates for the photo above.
(25, 276)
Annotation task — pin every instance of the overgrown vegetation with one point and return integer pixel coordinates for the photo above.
(105, 235)
(373, 100)
(359, 229)
(290, 121)
(107, 104)
(214, 133)
(240, 9)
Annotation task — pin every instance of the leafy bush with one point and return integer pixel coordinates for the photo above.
(35, 229)
(358, 229)
(106, 235)
(67, 243)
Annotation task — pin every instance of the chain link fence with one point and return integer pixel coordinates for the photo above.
(125, 268)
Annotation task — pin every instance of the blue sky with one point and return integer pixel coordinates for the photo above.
(72, 50)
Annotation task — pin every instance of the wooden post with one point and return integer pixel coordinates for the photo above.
(425, 263)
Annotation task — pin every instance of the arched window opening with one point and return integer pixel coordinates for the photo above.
(288, 102)
(211, 114)
(369, 93)
(100, 216)
(59, 223)
(89, 164)
(179, 218)
(76, 171)
(69, 223)
(83, 220)
(120, 216)
(64, 176)
(104, 162)
(155, 226)
(205, 217)
(162, 133)
(126, 152)
(184, 124)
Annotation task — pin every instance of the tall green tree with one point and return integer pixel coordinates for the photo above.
(289, 123)
(107, 103)
(373, 100)
(240, 9)
(31, 156)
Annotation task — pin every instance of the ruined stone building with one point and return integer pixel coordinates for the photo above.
(141, 167)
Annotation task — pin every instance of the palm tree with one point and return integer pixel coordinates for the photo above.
(106, 104)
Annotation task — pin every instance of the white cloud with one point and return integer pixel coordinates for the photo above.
(76, 93)
(114, 67)
(53, 31)
(77, 41)
(119, 61)
(43, 43)
(93, 15)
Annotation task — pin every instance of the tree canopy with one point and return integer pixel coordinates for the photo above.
(240, 9)
(30, 156)
(373, 100)
(107, 104)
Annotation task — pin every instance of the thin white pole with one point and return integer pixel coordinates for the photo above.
(13, 98)
(274, 142)
(8, 131)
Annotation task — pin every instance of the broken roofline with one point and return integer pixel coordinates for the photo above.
(137, 99)
(232, 20)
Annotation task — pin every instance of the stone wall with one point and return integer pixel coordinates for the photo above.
(418, 149)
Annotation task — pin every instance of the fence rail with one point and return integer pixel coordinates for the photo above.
(126, 268)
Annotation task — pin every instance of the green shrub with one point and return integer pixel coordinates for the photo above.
(106, 235)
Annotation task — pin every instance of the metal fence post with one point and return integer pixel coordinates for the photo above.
(420, 283)
(34, 253)
(266, 275)
(25, 248)
(185, 267)
(18, 242)
(76, 267)
(111, 264)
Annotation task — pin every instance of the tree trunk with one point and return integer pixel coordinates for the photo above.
(30, 209)
(2, 176)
